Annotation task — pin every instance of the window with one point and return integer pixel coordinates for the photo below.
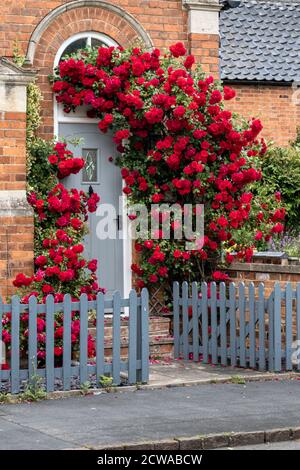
(70, 46)
(83, 40)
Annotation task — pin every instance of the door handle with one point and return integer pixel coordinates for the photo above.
(119, 222)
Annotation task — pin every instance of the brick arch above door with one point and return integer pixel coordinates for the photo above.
(69, 20)
(83, 10)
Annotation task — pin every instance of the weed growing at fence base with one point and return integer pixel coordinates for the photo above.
(237, 379)
(106, 382)
(85, 388)
(33, 391)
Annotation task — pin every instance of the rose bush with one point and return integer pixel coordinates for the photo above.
(61, 216)
(177, 144)
(61, 222)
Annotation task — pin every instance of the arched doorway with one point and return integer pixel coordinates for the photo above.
(100, 175)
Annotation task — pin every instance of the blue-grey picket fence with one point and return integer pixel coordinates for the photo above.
(136, 365)
(238, 325)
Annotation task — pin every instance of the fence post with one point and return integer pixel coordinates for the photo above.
(116, 359)
(83, 355)
(223, 331)
(132, 346)
(67, 345)
(32, 337)
(252, 315)
(232, 316)
(176, 319)
(204, 311)
(270, 308)
(298, 319)
(261, 327)
(100, 335)
(145, 334)
(185, 320)
(242, 324)
(288, 325)
(50, 343)
(195, 321)
(15, 344)
(277, 327)
(213, 316)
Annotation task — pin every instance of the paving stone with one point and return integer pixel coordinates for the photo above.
(216, 440)
(140, 446)
(240, 439)
(171, 444)
(187, 443)
(278, 435)
(296, 433)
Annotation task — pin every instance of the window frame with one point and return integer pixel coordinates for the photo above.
(89, 35)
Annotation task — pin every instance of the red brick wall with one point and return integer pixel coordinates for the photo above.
(164, 20)
(12, 150)
(16, 228)
(205, 48)
(16, 250)
(273, 105)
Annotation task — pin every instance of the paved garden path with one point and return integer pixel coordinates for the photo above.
(111, 418)
(177, 372)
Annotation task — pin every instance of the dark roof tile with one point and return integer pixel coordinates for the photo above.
(260, 40)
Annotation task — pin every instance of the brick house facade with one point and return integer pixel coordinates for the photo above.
(41, 27)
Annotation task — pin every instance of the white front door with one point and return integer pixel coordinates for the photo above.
(102, 176)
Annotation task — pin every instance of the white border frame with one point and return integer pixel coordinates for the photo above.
(61, 118)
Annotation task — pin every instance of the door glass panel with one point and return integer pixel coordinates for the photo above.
(90, 170)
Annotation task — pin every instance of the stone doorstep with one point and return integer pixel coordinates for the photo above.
(153, 336)
(154, 322)
(160, 341)
(209, 441)
(157, 327)
(108, 332)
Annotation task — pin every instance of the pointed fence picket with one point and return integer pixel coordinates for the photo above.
(25, 366)
(238, 326)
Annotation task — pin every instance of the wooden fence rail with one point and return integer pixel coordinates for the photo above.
(237, 325)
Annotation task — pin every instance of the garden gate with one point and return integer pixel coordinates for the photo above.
(79, 370)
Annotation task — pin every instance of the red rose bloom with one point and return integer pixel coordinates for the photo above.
(53, 159)
(154, 115)
(92, 265)
(177, 49)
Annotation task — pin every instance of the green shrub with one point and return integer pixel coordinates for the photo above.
(281, 172)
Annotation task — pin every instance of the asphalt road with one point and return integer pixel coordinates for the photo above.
(122, 417)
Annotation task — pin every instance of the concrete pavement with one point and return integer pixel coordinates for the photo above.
(108, 419)
(178, 372)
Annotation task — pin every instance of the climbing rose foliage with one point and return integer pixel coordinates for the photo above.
(177, 143)
(60, 266)
(61, 217)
